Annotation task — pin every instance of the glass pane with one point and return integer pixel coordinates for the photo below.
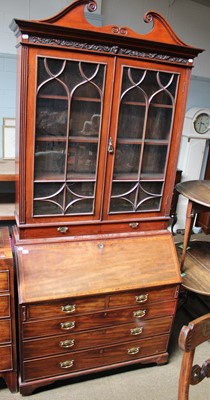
(68, 122)
(64, 199)
(146, 111)
(149, 196)
(136, 197)
(82, 159)
(127, 159)
(154, 159)
(158, 123)
(49, 160)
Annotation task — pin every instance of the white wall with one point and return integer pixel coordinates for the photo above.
(189, 20)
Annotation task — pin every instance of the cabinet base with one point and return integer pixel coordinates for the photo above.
(11, 380)
(27, 388)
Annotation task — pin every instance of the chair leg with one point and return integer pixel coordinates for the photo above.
(185, 375)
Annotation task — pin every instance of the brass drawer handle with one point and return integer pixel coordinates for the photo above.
(136, 331)
(66, 343)
(134, 350)
(134, 225)
(66, 364)
(139, 313)
(62, 229)
(67, 325)
(69, 308)
(142, 298)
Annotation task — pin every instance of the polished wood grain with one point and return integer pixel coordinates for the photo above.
(90, 267)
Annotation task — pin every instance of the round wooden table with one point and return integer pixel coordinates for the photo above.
(195, 260)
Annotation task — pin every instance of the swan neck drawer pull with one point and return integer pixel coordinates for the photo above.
(67, 325)
(66, 364)
(136, 331)
(69, 308)
(66, 343)
(139, 313)
(141, 298)
(134, 350)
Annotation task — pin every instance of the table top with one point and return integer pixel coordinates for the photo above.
(197, 191)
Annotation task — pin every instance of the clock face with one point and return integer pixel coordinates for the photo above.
(202, 123)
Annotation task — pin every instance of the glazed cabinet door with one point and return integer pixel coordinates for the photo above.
(141, 135)
(67, 132)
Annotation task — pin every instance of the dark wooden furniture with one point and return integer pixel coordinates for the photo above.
(8, 363)
(99, 122)
(197, 332)
(195, 260)
(203, 219)
(174, 202)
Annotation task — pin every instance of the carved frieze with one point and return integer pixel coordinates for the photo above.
(106, 49)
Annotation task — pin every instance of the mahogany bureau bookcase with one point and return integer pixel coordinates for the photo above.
(98, 131)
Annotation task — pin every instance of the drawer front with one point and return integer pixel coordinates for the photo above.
(5, 331)
(5, 358)
(4, 281)
(4, 306)
(142, 297)
(97, 320)
(98, 357)
(98, 338)
(65, 307)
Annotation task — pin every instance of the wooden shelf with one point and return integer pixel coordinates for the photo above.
(7, 170)
(7, 211)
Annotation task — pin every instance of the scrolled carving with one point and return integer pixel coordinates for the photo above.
(122, 30)
(199, 373)
(148, 18)
(92, 6)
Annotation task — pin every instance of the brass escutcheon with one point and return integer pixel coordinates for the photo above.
(67, 325)
(141, 298)
(69, 308)
(62, 229)
(139, 313)
(134, 225)
(66, 343)
(66, 364)
(136, 331)
(134, 350)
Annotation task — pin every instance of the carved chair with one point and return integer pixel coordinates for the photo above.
(197, 332)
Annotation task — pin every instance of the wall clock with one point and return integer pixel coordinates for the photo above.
(197, 123)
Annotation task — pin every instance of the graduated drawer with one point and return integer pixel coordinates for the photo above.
(65, 307)
(4, 306)
(94, 358)
(142, 296)
(96, 320)
(4, 281)
(100, 337)
(5, 331)
(5, 358)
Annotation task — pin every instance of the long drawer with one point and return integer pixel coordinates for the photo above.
(55, 326)
(83, 305)
(4, 281)
(97, 357)
(100, 337)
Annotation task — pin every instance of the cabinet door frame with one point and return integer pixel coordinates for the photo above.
(173, 146)
(108, 62)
